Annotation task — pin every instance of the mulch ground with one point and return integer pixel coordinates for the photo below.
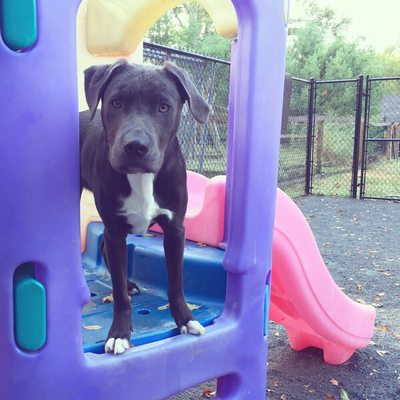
(360, 244)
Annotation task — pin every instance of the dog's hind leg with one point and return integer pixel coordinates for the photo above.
(133, 289)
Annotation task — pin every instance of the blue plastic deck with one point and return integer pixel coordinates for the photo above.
(18, 23)
(204, 283)
(29, 309)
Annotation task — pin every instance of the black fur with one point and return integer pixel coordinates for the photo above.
(135, 132)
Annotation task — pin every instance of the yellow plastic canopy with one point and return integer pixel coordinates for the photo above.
(116, 27)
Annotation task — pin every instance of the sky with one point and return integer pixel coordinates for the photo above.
(376, 20)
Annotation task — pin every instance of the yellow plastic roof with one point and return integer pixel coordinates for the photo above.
(116, 27)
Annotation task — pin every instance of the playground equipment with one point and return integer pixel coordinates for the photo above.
(304, 297)
(39, 217)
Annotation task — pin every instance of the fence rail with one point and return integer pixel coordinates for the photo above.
(342, 137)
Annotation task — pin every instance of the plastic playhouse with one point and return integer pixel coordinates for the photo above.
(250, 254)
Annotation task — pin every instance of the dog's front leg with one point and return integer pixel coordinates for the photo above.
(174, 245)
(116, 258)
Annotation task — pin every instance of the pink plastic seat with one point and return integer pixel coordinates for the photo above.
(204, 221)
(304, 297)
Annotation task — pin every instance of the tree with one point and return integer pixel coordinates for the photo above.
(317, 47)
(190, 28)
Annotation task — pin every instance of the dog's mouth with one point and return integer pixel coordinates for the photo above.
(133, 168)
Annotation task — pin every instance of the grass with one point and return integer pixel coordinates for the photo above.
(383, 179)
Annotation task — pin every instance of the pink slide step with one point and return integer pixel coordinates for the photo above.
(304, 297)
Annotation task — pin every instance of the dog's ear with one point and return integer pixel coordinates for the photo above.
(97, 79)
(198, 106)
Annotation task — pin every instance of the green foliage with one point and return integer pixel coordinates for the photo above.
(163, 32)
(317, 47)
(190, 28)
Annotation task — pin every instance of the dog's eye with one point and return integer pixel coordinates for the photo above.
(116, 103)
(164, 108)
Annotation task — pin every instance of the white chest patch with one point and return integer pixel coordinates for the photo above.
(140, 207)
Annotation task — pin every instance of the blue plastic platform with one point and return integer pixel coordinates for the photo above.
(204, 284)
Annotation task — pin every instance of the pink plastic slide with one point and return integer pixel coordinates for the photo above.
(304, 297)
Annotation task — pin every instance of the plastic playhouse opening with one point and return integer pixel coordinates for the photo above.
(204, 276)
(204, 283)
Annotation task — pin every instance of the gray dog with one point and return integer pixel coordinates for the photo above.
(131, 161)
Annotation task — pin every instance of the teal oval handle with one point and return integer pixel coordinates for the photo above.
(18, 23)
(29, 313)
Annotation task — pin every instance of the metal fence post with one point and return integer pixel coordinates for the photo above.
(357, 132)
(310, 136)
(364, 135)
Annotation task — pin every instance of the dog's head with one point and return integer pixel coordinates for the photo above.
(141, 108)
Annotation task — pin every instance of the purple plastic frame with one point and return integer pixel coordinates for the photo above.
(39, 222)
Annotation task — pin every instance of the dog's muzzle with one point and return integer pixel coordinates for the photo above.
(135, 153)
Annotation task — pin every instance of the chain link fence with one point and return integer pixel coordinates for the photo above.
(203, 146)
(381, 166)
(326, 147)
(293, 150)
(333, 137)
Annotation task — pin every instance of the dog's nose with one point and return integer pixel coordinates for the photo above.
(136, 148)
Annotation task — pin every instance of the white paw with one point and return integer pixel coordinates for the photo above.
(116, 346)
(194, 328)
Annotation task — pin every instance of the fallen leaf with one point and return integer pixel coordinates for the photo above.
(201, 244)
(360, 287)
(193, 306)
(330, 397)
(208, 393)
(90, 304)
(92, 327)
(382, 352)
(380, 294)
(283, 397)
(276, 334)
(382, 328)
(343, 395)
(275, 383)
(107, 299)
(334, 382)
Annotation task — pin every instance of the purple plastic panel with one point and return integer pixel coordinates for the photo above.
(39, 222)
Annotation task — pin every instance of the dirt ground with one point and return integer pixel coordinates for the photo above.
(360, 243)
